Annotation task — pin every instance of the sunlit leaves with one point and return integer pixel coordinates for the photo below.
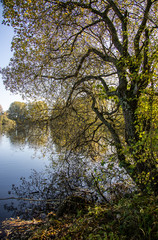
(37, 111)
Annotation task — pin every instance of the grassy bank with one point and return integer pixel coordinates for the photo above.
(133, 219)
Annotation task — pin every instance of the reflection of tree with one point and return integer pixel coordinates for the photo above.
(33, 134)
(78, 129)
(70, 173)
(64, 178)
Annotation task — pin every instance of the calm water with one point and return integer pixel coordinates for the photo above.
(31, 153)
(16, 160)
(55, 177)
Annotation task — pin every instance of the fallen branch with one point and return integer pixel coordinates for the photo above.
(30, 199)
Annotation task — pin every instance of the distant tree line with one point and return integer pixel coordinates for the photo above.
(33, 111)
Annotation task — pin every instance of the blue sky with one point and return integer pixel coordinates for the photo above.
(6, 35)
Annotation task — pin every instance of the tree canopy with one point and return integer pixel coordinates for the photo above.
(37, 111)
(17, 111)
(32, 111)
(104, 50)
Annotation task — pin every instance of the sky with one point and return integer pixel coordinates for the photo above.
(6, 35)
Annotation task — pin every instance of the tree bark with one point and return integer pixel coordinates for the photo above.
(145, 172)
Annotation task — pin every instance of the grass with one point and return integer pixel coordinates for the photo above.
(134, 218)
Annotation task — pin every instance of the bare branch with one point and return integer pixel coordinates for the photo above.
(125, 35)
(99, 190)
(142, 27)
(105, 18)
(113, 33)
(91, 77)
(116, 10)
(104, 57)
(84, 28)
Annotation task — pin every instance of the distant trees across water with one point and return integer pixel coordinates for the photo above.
(34, 111)
(21, 113)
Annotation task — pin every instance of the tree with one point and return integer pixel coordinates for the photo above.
(17, 111)
(37, 111)
(103, 50)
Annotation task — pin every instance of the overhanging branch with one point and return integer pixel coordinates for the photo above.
(142, 27)
(91, 77)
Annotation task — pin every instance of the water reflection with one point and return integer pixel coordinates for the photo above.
(67, 173)
(33, 135)
(48, 188)
(20, 151)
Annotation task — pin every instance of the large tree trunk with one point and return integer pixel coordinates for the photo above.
(145, 172)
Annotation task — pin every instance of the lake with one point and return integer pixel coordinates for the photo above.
(16, 160)
(33, 167)
(40, 174)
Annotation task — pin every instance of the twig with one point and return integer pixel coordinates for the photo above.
(99, 190)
